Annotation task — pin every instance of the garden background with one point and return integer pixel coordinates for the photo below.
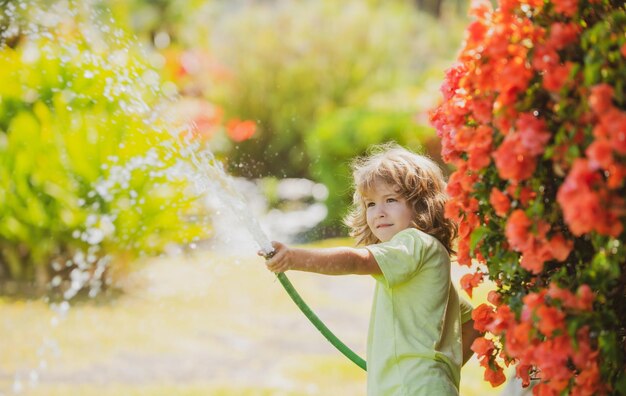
(123, 268)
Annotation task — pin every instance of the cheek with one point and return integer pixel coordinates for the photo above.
(368, 217)
(409, 213)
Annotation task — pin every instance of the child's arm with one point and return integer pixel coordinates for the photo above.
(329, 261)
(468, 335)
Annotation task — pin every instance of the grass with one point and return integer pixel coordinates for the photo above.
(199, 325)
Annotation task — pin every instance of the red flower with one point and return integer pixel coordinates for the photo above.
(566, 7)
(533, 3)
(477, 143)
(585, 298)
(480, 148)
(534, 258)
(503, 319)
(451, 82)
(601, 97)
(544, 389)
(550, 320)
(614, 122)
(518, 339)
(545, 57)
(517, 231)
(555, 78)
(500, 202)
(567, 298)
(495, 377)
(483, 347)
(563, 34)
(480, 8)
(560, 247)
(525, 195)
(470, 281)
(616, 176)
(512, 160)
(534, 300)
(482, 315)
(533, 133)
(523, 372)
(241, 130)
(463, 253)
(494, 297)
(584, 209)
(476, 31)
(600, 154)
(583, 353)
(551, 358)
(482, 110)
(588, 382)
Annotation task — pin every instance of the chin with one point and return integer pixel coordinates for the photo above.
(384, 238)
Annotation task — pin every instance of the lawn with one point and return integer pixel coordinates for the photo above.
(204, 324)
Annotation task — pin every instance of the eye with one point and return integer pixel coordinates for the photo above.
(369, 204)
(391, 200)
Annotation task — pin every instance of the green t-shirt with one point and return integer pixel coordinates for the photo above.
(414, 341)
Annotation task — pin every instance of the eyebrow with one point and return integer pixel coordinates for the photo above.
(365, 197)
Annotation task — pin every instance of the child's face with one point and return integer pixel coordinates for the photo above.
(387, 211)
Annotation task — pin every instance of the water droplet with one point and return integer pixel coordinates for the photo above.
(161, 40)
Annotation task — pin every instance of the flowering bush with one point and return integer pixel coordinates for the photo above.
(534, 120)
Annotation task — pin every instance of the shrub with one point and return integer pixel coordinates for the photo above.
(534, 119)
(84, 172)
(290, 63)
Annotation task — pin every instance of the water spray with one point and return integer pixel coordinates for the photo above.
(213, 176)
(209, 175)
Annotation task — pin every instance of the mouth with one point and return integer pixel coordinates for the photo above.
(384, 225)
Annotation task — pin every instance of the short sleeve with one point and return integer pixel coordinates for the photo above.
(401, 258)
(466, 309)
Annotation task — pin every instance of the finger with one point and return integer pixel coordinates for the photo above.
(278, 269)
(277, 245)
(275, 266)
(266, 255)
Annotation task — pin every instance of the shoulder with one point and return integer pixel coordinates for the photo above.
(414, 235)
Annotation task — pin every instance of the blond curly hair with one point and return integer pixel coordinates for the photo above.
(416, 177)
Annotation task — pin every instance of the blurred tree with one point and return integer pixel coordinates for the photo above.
(432, 7)
(293, 62)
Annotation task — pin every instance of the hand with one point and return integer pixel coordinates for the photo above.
(280, 260)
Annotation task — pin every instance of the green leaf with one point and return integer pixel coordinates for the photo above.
(477, 235)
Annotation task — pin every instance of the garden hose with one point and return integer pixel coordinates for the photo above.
(317, 322)
(343, 348)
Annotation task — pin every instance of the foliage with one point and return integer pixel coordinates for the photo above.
(534, 119)
(287, 64)
(341, 136)
(84, 171)
(295, 71)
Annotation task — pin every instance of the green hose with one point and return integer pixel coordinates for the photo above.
(319, 324)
